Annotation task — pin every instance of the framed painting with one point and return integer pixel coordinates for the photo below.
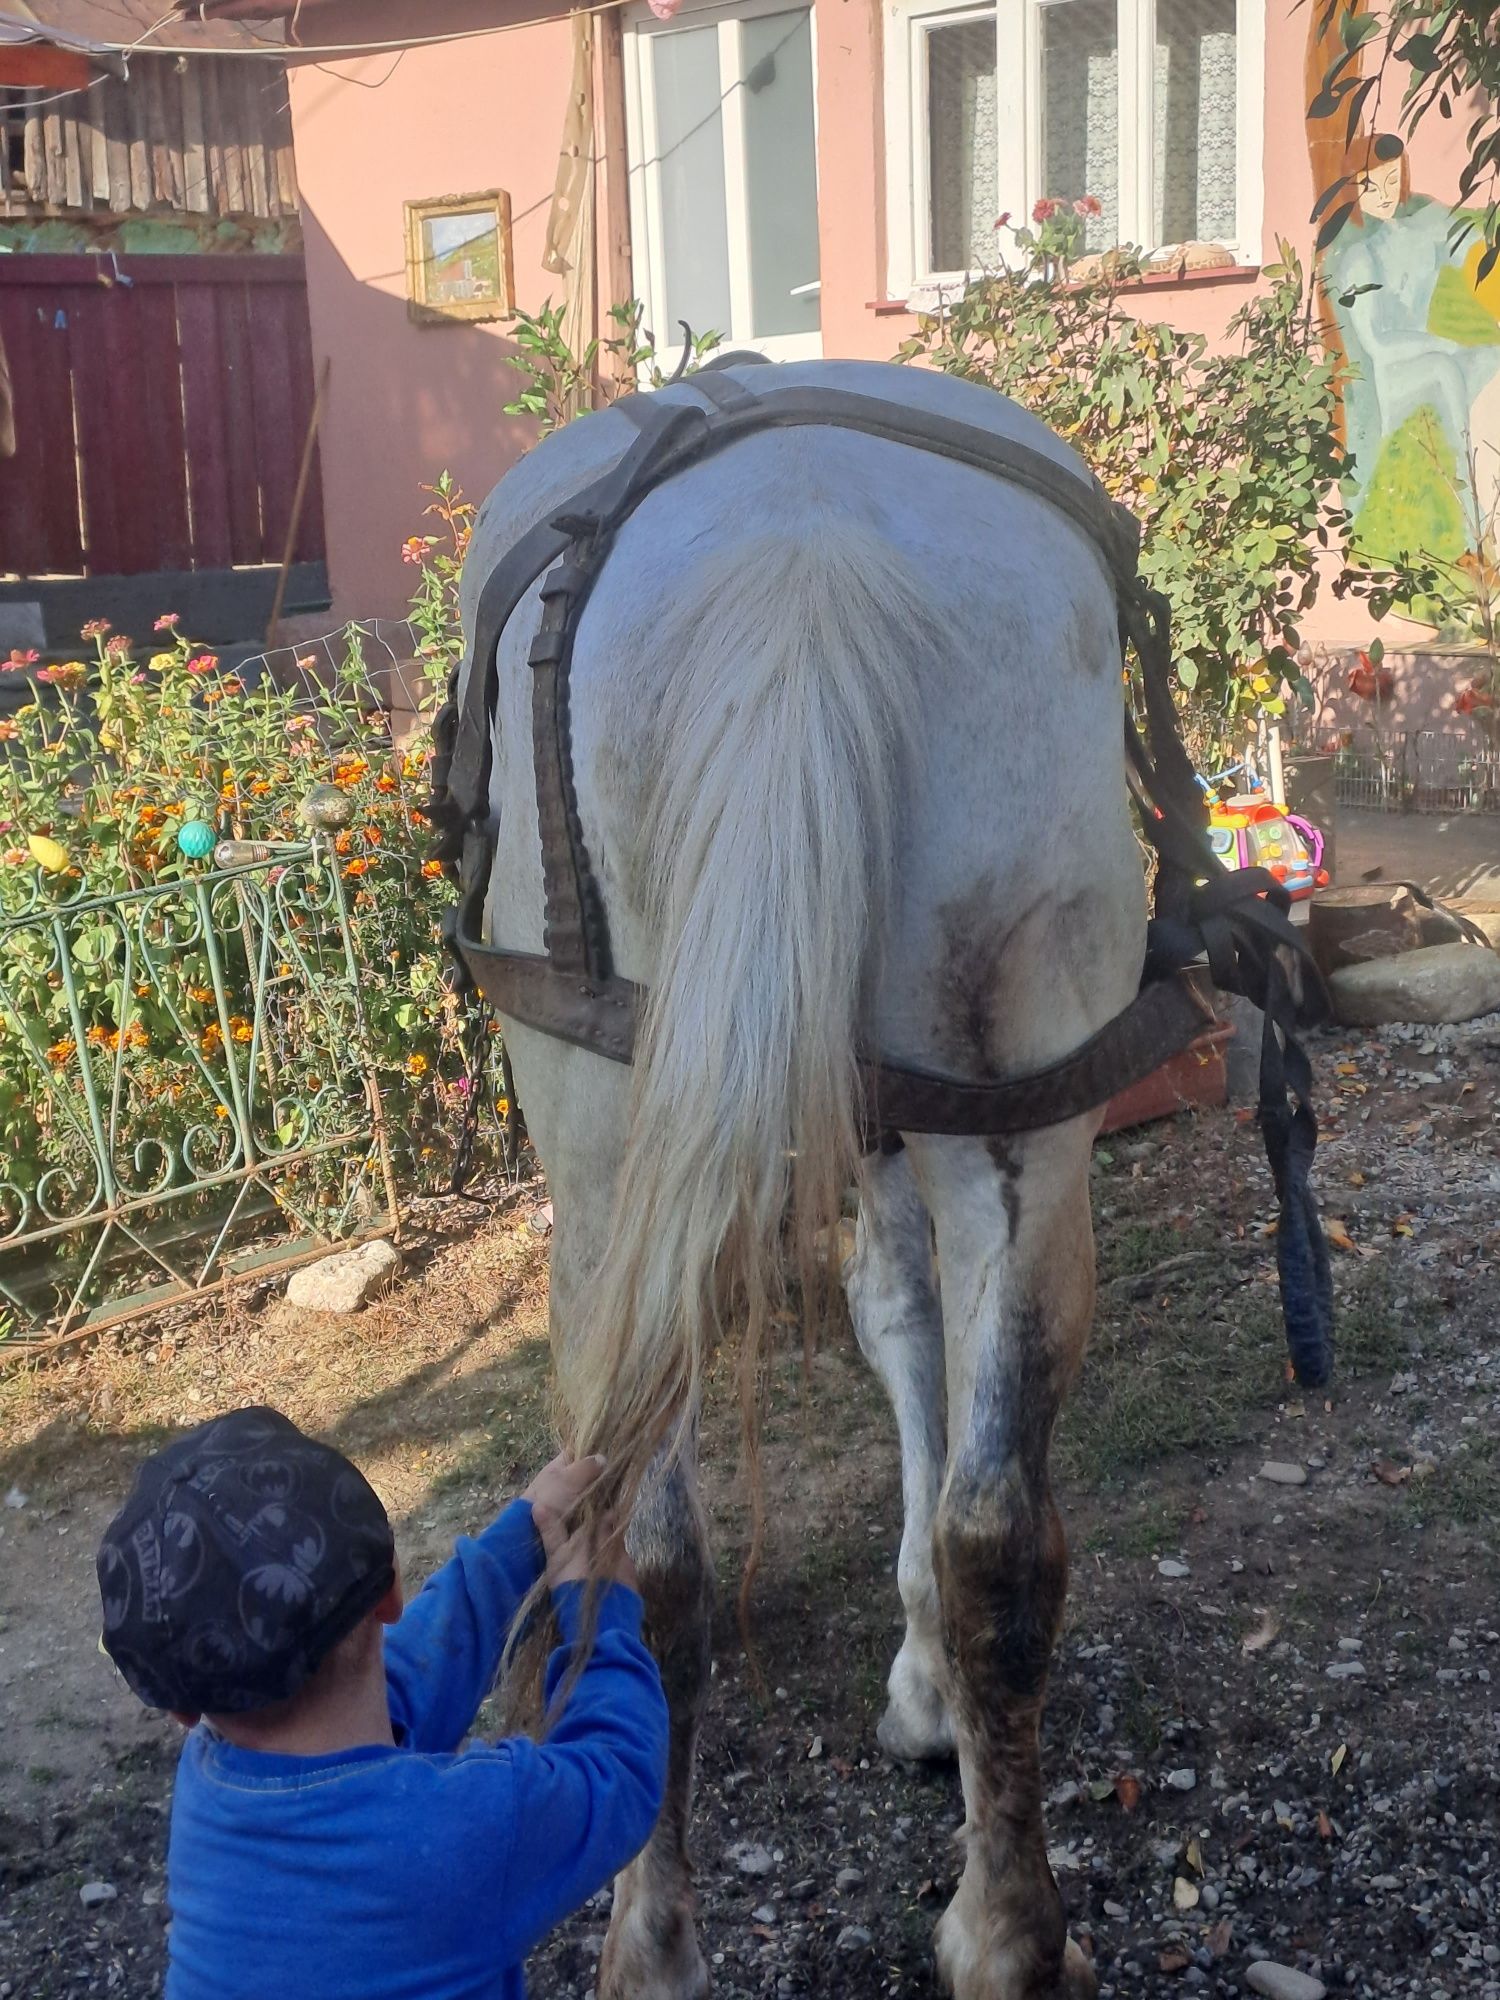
(458, 258)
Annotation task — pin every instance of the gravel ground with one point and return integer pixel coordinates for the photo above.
(1272, 1732)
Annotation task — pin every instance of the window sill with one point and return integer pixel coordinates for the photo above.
(1149, 281)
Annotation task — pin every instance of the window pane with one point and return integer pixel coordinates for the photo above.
(690, 152)
(964, 144)
(1195, 122)
(1081, 110)
(781, 188)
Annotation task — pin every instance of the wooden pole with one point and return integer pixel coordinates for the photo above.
(304, 473)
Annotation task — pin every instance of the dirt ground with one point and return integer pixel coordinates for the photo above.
(1272, 1728)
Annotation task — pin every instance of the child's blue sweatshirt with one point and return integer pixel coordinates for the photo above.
(417, 1873)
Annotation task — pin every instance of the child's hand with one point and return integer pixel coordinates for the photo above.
(561, 1485)
(568, 1555)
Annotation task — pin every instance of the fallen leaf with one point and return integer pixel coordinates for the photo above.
(1336, 1761)
(1102, 1789)
(1389, 1474)
(1174, 1961)
(1402, 1226)
(1325, 1826)
(1338, 1235)
(1356, 1179)
(1220, 1936)
(1348, 1069)
(1423, 1468)
(1128, 1791)
(1257, 1640)
(1184, 1894)
(1195, 1855)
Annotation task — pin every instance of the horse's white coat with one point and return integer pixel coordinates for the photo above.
(999, 925)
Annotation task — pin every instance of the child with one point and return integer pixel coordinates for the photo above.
(328, 1840)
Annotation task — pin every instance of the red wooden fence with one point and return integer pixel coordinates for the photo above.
(160, 422)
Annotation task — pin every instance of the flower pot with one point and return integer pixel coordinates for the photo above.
(1194, 1078)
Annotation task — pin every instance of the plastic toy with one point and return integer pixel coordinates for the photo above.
(1251, 832)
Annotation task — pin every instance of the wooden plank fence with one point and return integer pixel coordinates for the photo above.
(161, 407)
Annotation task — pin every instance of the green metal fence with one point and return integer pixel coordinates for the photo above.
(193, 1054)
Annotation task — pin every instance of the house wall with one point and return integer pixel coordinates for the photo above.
(407, 401)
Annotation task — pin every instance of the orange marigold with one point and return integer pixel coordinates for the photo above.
(432, 869)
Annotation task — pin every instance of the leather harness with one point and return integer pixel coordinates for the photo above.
(571, 990)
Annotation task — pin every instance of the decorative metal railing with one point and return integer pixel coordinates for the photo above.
(193, 1054)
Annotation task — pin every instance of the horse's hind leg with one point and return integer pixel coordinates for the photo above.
(651, 1952)
(576, 1109)
(893, 1302)
(1016, 1251)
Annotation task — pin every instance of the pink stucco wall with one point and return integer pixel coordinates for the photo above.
(406, 402)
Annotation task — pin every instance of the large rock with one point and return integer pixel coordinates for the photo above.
(347, 1280)
(1444, 982)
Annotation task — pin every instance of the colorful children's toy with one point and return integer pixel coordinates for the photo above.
(1249, 831)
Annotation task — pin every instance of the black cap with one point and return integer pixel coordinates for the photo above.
(245, 1552)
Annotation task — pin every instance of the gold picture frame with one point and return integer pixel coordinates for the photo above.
(458, 258)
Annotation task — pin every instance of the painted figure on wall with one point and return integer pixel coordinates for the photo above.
(1421, 336)
(1418, 330)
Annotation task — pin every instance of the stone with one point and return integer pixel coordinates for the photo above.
(540, 1220)
(1345, 1670)
(853, 1937)
(347, 1280)
(92, 1894)
(1281, 1472)
(1172, 1570)
(751, 1858)
(16, 1498)
(764, 1913)
(1283, 1982)
(847, 1879)
(1438, 983)
(1183, 1779)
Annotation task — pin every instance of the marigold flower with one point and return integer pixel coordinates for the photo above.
(211, 1039)
(240, 1028)
(356, 867)
(343, 840)
(202, 994)
(432, 869)
(416, 1065)
(167, 622)
(385, 783)
(61, 1052)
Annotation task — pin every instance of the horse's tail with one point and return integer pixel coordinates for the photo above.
(768, 846)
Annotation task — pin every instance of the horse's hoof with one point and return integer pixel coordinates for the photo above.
(652, 1961)
(916, 1740)
(1079, 1980)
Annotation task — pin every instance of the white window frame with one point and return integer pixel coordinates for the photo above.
(1018, 71)
(645, 180)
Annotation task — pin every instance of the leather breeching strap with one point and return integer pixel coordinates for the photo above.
(1238, 921)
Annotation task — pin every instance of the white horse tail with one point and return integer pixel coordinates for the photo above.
(768, 845)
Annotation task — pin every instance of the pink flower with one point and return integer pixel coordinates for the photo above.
(414, 549)
(295, 725)
(1003, 221)
(95, 629)
(19, 661)
(138, 680)
(167, 621)
(119, 646)
(1088, 204)
(1045, 209)
(202, 663)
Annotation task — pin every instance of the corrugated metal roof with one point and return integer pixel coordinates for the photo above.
(116, 24)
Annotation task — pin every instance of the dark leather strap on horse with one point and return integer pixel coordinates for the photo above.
(1238, 921)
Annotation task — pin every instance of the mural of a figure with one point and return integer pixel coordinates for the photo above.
(1421, 340)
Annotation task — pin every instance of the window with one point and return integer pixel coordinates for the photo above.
(723, 178)
(1154, 107)
(14, 104)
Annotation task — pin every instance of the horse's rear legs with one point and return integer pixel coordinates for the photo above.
(893, 1302)
(1016, 1252)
